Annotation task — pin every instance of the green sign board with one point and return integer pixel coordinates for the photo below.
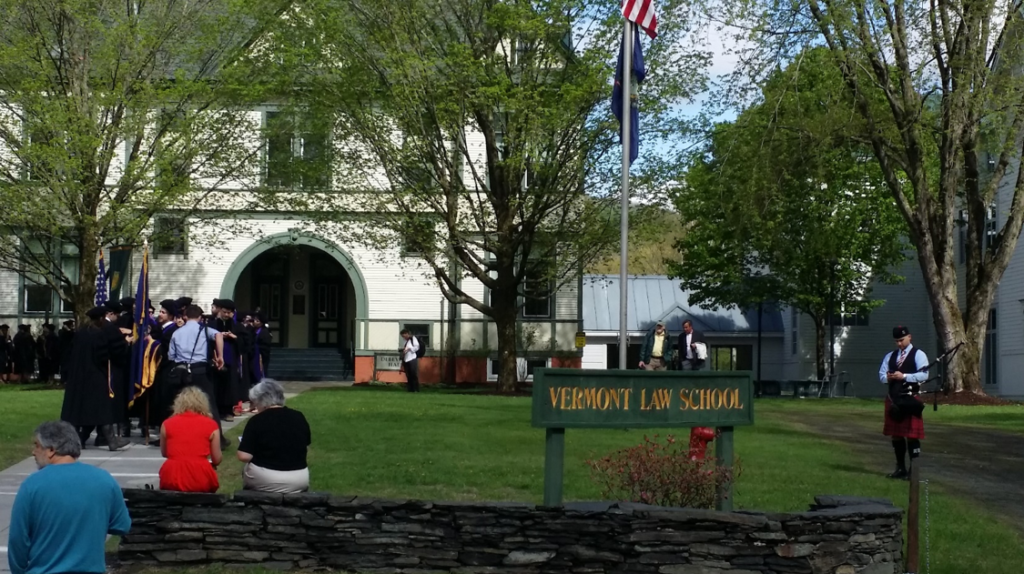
(578, 398)
(575, 398)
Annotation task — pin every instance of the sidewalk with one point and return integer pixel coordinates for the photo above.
(133, 467)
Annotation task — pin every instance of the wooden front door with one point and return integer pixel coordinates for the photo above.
(326, 322)
(270, 289)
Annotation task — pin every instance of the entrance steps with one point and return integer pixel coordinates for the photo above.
(309, 365)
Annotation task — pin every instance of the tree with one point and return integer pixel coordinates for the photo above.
(654, 232)
(790, 208)
(938, 87)
(483, 129)
(112, 112)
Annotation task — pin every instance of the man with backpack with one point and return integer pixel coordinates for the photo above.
(411, 353)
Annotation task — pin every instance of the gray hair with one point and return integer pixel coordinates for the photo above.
(61, 437)
(268, 393)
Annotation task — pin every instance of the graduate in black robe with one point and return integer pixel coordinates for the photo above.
(64, 341)
(90, 396)
(6, 353)
(24, 353)
(125, 322)
(260, 356)
(47, 349)
(231, 388)
(163, 394)
(119, 366)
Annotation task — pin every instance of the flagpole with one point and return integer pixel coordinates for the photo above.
(627, 73)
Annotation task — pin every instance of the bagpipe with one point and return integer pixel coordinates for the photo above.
(904, 395)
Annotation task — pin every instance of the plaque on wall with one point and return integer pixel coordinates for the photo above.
(298, 304)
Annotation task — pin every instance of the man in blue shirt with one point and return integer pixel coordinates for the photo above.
(189, 353)
(63, 513)
(904, 370)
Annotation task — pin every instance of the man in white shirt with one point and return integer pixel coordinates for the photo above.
(904, 370)
(410, 361)
(688, 341)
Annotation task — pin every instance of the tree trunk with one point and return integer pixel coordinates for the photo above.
(953, 327)
(84, 294)
(967, 369)
(505, 322)
(819, 340)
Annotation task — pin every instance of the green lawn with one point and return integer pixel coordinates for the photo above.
(446, 446)
(22, 408)
(1008, 418)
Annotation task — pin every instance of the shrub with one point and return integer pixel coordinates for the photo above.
(662, 474)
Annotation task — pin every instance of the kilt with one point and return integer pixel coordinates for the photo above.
(909, 427)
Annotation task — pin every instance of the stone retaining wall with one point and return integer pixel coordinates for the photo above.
(838, 535)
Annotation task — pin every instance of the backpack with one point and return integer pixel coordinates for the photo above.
(422, 350)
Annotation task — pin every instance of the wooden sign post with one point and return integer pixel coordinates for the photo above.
(585, 398)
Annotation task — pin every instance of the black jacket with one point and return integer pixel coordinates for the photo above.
(698, 337)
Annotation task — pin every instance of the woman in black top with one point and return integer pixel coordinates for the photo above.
(274, 443)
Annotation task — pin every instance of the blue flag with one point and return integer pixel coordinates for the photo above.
(141, 351)
(639, 73)
(101, 283)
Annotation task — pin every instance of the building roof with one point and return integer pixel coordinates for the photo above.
(656, 297)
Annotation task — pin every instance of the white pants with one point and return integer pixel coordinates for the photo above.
(279, 481)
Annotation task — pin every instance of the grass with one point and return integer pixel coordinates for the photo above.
(22, 408)
(445, 446)
(1009, 418)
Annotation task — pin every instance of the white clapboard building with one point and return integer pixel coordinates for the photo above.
(336, 306)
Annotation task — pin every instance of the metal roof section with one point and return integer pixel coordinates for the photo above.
(656, 297)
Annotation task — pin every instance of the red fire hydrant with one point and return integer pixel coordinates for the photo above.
(699, 439)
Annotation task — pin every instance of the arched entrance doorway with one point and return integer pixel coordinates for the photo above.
(310, 290)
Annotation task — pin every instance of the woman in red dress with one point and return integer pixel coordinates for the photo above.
(190, 440)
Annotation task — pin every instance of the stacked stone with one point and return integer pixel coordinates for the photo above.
(839, 535)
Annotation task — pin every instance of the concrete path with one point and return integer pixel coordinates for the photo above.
(133, 467)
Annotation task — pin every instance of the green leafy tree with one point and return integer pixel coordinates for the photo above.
(938, 88)
(654, 232)
(482, 131)
(112, 112)
(789, 205)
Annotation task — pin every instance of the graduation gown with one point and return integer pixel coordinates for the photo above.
(87, 394)
(6, 354)
(24, 354)
(65, 339)
(124, 371)
(163, 395)
(49, 356)
(231, 388)
(260, 356)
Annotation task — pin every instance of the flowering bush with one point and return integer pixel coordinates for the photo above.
(662, 474)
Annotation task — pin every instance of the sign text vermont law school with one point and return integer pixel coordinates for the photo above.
(566, 398)
(575, 398)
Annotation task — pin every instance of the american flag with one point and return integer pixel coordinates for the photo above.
(641, 13)
(101, 283)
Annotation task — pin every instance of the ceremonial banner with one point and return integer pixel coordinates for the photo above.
(145, 355)
(120, 260)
